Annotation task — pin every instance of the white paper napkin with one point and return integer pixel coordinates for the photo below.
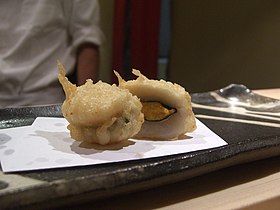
(47, 144)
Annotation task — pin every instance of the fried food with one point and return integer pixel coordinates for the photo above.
(166, 106)
(100, 113)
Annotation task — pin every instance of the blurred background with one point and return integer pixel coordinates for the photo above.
(200, 44)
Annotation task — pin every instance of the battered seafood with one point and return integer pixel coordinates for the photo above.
(100, 113)
(166, 106)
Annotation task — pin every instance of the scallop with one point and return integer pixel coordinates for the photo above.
(167, 107)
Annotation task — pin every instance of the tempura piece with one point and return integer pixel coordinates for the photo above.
(100, 113)
(166, 106)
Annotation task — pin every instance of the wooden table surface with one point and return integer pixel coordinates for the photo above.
(273, 93)
(253, 185)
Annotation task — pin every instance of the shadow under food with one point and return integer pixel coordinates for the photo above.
(181, 137)
(84, 148)
(116, 146)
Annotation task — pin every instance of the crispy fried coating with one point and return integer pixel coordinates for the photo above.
(100, 113)
(168, 94)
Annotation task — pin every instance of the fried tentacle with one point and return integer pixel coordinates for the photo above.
(68, 87)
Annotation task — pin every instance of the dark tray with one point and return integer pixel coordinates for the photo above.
(251, 135)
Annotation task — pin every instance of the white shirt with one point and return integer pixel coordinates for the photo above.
(34, 34)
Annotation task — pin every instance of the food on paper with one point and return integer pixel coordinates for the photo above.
(100, 113)
(167, 107)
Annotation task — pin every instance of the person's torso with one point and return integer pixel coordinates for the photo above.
(33, 36)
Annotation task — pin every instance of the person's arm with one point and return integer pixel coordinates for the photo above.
(87, 63)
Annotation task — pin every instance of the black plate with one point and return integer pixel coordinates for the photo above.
(251, 135)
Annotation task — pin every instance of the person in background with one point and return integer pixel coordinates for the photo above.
(33, 36)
